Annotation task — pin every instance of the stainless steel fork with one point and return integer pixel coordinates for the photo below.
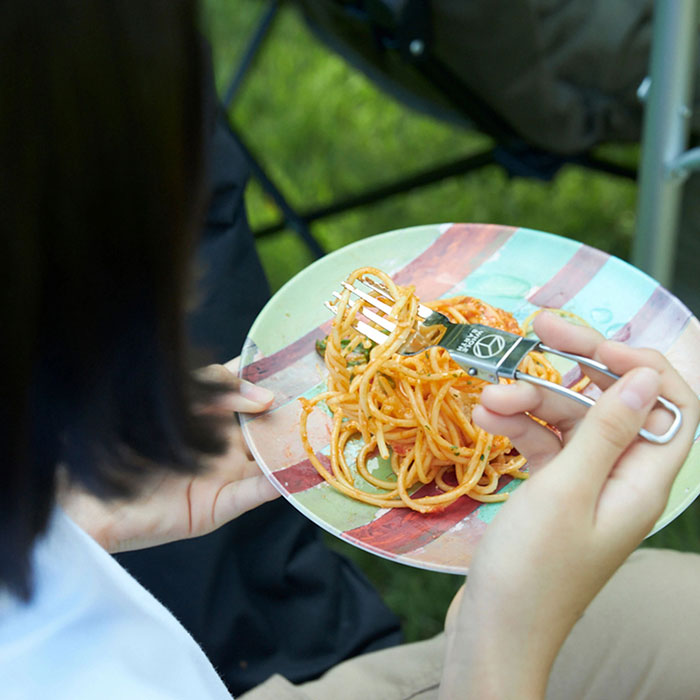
(484, 352)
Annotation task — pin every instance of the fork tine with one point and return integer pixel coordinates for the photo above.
(372, 333)
(423, 311)
(369, 299)
(382, 321)
(368, 331)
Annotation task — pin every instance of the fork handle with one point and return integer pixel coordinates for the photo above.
(587, 401)
(581, 359)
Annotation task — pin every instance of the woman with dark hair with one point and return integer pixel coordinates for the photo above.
(103, 419)
(107, 114)
(102, 194)
(101, 140)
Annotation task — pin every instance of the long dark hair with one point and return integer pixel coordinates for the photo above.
(101, 143)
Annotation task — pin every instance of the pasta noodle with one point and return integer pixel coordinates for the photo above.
(413, 410)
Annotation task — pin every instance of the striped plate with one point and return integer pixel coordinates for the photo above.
(513, 268)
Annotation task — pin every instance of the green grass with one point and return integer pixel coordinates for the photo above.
(323, 131)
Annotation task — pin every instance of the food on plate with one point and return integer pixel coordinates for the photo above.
(415, 411)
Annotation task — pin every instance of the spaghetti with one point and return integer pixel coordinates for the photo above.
(415, 411)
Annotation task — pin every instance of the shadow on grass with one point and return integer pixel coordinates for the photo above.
(420, 598)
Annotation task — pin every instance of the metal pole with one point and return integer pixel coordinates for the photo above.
(665, 135)
(250, 53)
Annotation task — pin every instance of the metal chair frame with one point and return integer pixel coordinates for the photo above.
(665, 163)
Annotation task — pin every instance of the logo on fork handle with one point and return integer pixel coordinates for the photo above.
(488, 346)
(481, 344)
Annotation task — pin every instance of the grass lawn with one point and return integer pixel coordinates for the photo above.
(322, 131)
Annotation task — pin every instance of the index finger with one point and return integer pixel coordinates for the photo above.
(565, 336)
(243, 397)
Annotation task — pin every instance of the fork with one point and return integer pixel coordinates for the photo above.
(483, 352)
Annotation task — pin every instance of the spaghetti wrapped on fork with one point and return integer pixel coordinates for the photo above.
(415, 411)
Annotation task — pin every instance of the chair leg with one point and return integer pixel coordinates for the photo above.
(666, 127)
(291, 217)
(462, 166)
(252, 50)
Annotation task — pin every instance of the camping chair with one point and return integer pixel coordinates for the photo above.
(400, 30)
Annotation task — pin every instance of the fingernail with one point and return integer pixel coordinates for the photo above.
(255, 393)
(639, 388)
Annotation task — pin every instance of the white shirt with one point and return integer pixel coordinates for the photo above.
(92, 631)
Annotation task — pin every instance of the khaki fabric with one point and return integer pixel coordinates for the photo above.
(639, 639)
(408, 671)
(562, 73)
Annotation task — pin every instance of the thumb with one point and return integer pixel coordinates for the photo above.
(244, 397)
(611, 426)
